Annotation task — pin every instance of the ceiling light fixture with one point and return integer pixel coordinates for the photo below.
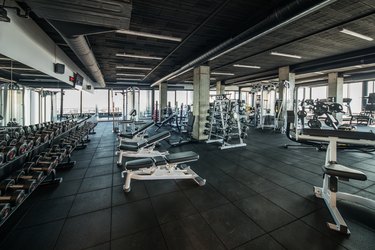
(212, 79)
(352, 33)
(319, 73)
(139, 56)
(25, 69)
(136, 68)
(5, 59)
(189, 81)
(183, 72)
(34, 75)
(125, 74)
(246, 66)
(128, 79)
(222, 73)
(285, 55)
(144, 34)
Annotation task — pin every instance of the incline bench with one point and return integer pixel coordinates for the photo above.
(170, 166)
(137, 134)
(143, 148)
(334, 171)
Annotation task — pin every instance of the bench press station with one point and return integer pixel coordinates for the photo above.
(165, 167)
(143, 148)
(334, 171)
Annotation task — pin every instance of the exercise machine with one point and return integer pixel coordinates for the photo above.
(143, 148)
(167, 167)
(333, 171)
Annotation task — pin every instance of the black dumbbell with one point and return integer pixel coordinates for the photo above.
(10, 184)
(45, 160)
(20, 176)
(13, 198)
(36, 139)
(59, 156)
(10, 153)
(4, 137)
(31, 167)
(4, 210)
(20, 146)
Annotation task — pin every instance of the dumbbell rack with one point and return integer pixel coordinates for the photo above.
(219, 129)
(9, 167)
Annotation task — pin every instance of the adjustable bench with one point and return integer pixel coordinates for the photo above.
(143, 148)
(334, 171)
(170, 166)
(137, 134)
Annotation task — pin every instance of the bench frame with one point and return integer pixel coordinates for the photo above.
(167, 171)
(329, 191)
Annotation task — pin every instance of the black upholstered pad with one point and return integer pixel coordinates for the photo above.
(140, 163)
(340, 133)
(158, 137)
(159, 160)
(132, 146)
(182, 157)
(127, 135)
(344, 172)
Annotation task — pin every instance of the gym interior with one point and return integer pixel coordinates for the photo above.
(187, 124)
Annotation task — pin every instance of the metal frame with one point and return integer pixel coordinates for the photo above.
(326, 193)
(164, 172)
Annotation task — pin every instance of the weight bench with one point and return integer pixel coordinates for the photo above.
(334, 171)
(143, 148)
(136, 135)
(165, 167)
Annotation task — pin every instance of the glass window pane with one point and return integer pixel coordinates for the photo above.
(319, 92)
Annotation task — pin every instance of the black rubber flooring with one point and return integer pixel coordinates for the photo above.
(258, 197)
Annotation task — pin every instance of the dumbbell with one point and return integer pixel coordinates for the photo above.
(45, 160)
(10, 153)
(10, 184)
(57, 149)
(45, 137)
(20, 146)
(13, 198)
(31, 167)
(4, 211)
(59, 156)
(36, 139)
(21, 175)
(4, 137)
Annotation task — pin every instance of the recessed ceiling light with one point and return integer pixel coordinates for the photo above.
(222, 73)
(5, 59)
(246, 66)
(144, 34)
(136, 68)
(346, 75)
(128, 79)
(188, 81)
(139, 56)
(358, 66)
(125, 74)
(352, 33)
(319, 73)
(34, 75)
(13, 68)
(285, 55)
(212, 79)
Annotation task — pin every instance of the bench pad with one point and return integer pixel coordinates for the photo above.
(343, 172)
(182, 157)
(140, 163)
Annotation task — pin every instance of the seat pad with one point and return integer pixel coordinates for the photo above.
(158, 137)
(182, 157)
(139, 163)
(344, 172)
(159, 161)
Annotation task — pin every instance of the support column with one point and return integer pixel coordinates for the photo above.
(336, 90)
(61, 104)
(201, 87)
(80, 102)
(220, 88)
(286, 94)
(163, 98)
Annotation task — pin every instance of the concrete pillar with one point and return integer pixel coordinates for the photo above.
(285, 75)
(336, 89)
(163, 98)
(220, 88)
(201, 100)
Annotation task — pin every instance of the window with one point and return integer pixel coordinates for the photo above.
(354, 91)
(319, 92)
(71, 101)
(96, 102)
